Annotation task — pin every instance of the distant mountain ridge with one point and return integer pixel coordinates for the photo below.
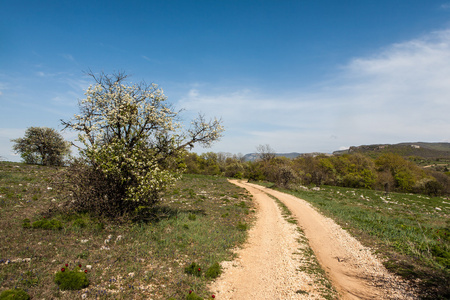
(419, 149)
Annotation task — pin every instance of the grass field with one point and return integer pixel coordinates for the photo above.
(410, 231)
(202, 220)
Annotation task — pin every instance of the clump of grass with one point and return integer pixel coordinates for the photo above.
(193, 296)
(213, 271)
(15, 294)
(242, 204)
(79, 223)
(26, 223)
(71, 279)
(242, 226)
(52, 224)
(193, 269)
(192, 217)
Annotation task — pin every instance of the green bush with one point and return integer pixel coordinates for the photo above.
(193, 269)
(213, 271)
(16, 294)
(71, 280)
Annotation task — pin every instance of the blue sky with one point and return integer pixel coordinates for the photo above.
(302, 76)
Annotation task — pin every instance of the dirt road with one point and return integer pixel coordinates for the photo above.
(269, 266)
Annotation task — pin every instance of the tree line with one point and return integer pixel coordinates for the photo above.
(389, 172)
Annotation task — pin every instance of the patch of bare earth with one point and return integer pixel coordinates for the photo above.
(269, 265)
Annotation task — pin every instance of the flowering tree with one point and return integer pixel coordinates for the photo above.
(133, 144)
(42, 145)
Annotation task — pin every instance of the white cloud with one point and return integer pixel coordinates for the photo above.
(400, 94)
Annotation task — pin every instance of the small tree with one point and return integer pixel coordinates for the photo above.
(133, 146)
(42, 145)
(265, 152)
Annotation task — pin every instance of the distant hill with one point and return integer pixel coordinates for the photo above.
(419, 149)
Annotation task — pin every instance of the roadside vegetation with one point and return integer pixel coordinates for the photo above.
(200, 220)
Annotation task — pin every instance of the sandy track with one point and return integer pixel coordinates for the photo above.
(266, 267)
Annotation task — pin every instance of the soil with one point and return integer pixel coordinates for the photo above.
(268, 266)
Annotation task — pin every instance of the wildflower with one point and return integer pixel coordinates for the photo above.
(213, 296)
(67, 265)
(85, 271)
(62, 269)
(79, 265)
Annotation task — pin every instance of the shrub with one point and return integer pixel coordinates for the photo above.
(71, 280)
(133, 146)
(213, 271)
(193, 269)
(16, 294)
(433, 188)
(285, 175)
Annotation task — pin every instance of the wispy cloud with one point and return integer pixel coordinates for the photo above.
(155, 61)
(399, 94)
(67, 56)
(445, 6)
